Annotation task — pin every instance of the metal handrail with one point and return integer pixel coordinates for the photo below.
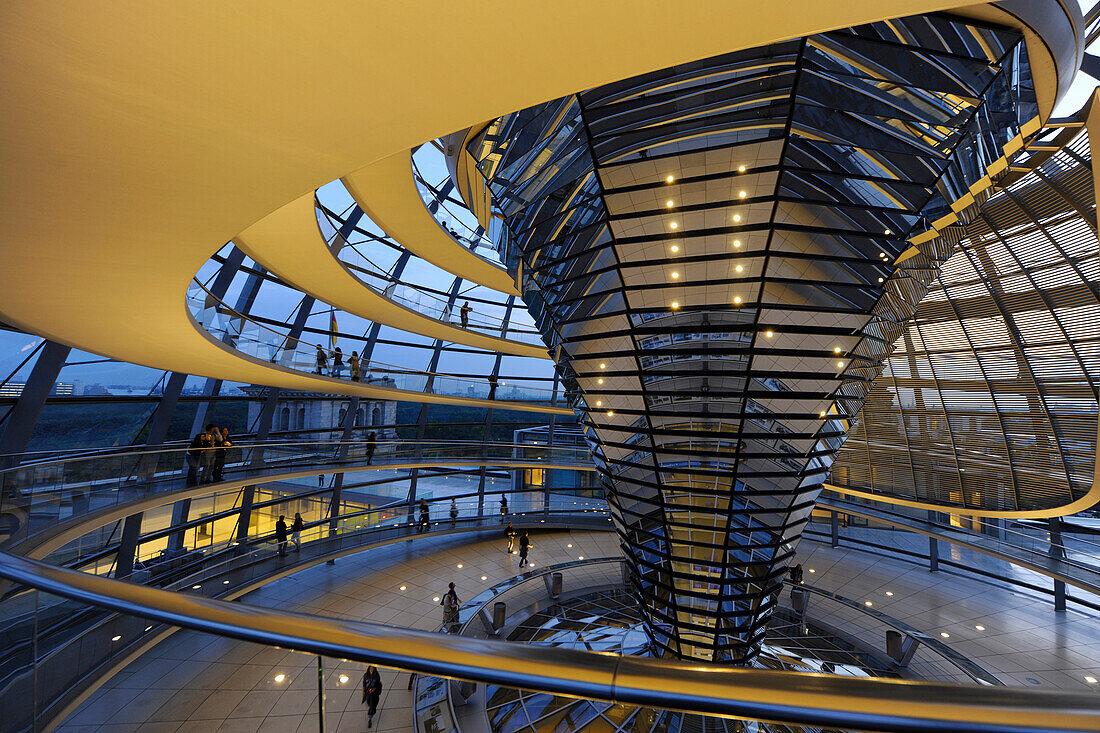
(876, 704)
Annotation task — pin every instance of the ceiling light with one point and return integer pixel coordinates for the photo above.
(344, 679)
(979, 627)
(673, 225)
(769, 334)
(115, 638)
(739, 268)
(737, 300)
(743, 194)
(674, 248)
(737, 243)
(280, 677)
(669, 203)
(740, 169)
(840, 365)
(675, 274)
(670, 179)
(737, 217)
(675, 305)
(945, 635)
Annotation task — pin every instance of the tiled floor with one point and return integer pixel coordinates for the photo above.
(197, 682)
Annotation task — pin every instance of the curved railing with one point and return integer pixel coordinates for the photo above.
(421, 300)
(271, 343)
(875, 704)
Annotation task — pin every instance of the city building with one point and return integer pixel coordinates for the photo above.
(603, 366)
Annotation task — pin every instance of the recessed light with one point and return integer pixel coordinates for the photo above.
(674, 248)
(737, 243)
(945, 635)
(675, 274)
(742, 194)
(821, 414)
(737, 217)
(836, 349)
(675, 305)
(880, 279)
(148, 628)
(812, 570)
(599, 403)
(739, 268)
(867, 603)
(887, 232)
(740, 169)
(769, 334)
(280, 677)
(673, 225)
(580, 557)
(737, 299)
(979, 627)
(603, 365)
(889, 593)
(195, 587)
(599, 381)
(436, 599)
(570, 544)
(460, 566)
(669, 203)
(1090, 679)
(840, 365)
(115, 638)
(404, 587)
(670, 179)
(344, 679)
(484, 577)
(611, 413)
(225, 582)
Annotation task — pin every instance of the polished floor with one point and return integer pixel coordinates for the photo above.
(197, 682)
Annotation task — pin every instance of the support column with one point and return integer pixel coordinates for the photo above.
(1057, 552)
(834, 519)
(127, 546)
(933, 547)
(17, 432)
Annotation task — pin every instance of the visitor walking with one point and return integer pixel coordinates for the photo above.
(510, 533)
(372, 691)
(492, 387)
(354, 363)
(338, 363)
(320, 481)
(296, 531)
(464, 314)
(450, 604)
(503, 509)
(424, 517)
(524, 546)
(280, 535)
(322, 360)
(454, 513)
(371, 440)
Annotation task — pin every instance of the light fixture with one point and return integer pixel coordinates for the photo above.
(880, 279)
(979, 627)
(344, 679)
(675, 274)
(867, 603)
(945, 635)
(675, 248)
(225, 582)
(599, 403)
(148, 628)
(580, 557)
(742, 194)
(404, 587)
(812, 570)
(603, 365)
(669, 203)
(570, 544)
(1090, 679)
(484, 577)
(195, 587)
(739, 268)
(840, 365)
(436, 599)
(115, 638)
(672, 225)
(887, 232)
(280, 677)
(889, 593)
(460, 566)
(740, 169)
(611, 413)
(599, 381)
(836, 349)
(737, 243)
(670, 179)
(769, 334)
(737, 300)
(737, 217)
(675, 305)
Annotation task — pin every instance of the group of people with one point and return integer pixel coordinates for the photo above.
(205, 456)
(295, 531)
(337, 369)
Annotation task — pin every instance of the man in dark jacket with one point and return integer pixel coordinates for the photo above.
(524, 546)
(280, 535)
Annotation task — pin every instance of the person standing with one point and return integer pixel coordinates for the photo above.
(454, 513)
(338, 363)
(371, 441)
(450, 604)
(193, 457)
(354, 363)
(503, 509)
(796, 574)
(425, 515)
(280, 535)
(322, 360)
(372, 691)
(510, 533)
(221, 450)
(464, 314)
(296, 531)
(210, 439)
(524, 546)
(492, 387)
